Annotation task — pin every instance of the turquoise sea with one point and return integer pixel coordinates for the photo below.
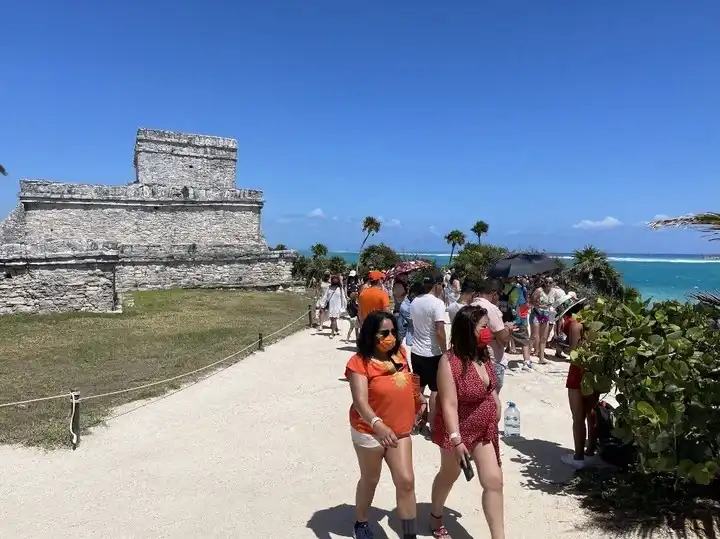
(657, 276)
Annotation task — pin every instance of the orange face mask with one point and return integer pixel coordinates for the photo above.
(386, 344)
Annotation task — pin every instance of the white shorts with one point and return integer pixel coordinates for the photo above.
(360, 439)
(353, 321)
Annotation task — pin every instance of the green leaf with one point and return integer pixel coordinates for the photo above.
(587, 385)
(672, 388)
(595, 326)
(701, 475)
(694, 333)
(660, 443)
(656, 341)
(662, 415)
(674, 336)
(645, 409)
(685, 466)
(574, 355)
(682, 369)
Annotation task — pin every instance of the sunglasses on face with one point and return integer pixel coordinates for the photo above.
(384, 333)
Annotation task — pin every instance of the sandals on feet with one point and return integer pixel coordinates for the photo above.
(439, 532)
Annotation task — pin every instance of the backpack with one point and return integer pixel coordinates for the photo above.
(611, 449)
(505, 306)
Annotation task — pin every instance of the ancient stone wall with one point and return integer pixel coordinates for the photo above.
(182, 224)
(139, 214)
(52, 281)
(251, 270)
(167, 158)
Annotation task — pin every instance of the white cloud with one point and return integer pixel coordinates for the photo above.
(660, 217)
(393, 223)
(433, 230)
(317, 213)
(608, 222)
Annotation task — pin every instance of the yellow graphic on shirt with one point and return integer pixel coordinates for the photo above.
(401, 379)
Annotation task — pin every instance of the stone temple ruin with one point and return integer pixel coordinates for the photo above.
(181, 224)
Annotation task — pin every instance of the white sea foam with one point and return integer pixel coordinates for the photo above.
(653, 260)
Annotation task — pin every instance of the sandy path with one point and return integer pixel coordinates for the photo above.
(264, 447)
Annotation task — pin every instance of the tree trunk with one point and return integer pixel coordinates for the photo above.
(452, 252)
(362, 246)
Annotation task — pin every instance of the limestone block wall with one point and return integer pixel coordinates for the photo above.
(12, 228)
(217, 266)
(33, 281)
(141, 214)
(164, 157)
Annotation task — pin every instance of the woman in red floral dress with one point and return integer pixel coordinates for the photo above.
(467, 425)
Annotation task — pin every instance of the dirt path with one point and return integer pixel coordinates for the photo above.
(262, 449)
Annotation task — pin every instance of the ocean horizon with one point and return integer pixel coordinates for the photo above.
(656, 276)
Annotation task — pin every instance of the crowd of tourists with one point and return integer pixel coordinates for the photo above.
(464, 375)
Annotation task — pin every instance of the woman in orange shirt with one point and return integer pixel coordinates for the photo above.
(386, 399)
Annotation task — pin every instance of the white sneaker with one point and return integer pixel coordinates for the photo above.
(570, 460)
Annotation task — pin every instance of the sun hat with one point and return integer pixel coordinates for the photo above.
(568, 304)
(376, 275)
(352, 273)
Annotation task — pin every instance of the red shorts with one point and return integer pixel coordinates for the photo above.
(574, 377)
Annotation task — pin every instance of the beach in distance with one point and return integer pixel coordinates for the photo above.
(656, 276)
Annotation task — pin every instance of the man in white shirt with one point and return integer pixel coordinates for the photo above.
(467, 294)
(427, 312)
(488, 298)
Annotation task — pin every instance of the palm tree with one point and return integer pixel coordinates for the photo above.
(3, 172)
(709, 223)
(454, 238)
(591, 268)
(371, 226)
(480, 229)
(318, 251)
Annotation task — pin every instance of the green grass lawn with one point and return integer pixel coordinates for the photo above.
(165, 334)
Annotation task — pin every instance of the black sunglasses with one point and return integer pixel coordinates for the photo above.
(384, 333)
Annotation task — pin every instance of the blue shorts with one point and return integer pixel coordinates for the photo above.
(500, 373)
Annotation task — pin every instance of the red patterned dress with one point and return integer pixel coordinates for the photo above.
(477, 410)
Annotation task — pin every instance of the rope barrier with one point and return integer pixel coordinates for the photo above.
(159, 382)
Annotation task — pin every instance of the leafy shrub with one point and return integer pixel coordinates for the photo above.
(380, 256)
(474, 260)
(664, 361)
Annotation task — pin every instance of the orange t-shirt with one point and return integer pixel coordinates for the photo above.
(372, 299)
(392, 393)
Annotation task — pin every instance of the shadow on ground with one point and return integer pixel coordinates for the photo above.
(542, 468)
(338, 522)
(633, 504)
(630, 504)
(348, 348)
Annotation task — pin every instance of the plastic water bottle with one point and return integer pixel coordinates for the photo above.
(512, 420)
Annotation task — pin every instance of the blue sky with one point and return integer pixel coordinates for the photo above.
(560, 123)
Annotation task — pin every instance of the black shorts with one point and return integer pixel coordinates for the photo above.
(426, 368)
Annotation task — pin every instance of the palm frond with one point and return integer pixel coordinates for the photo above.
(707, 299)
(3, 172)
(708, 223)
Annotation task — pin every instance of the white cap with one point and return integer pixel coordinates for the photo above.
(352, 273)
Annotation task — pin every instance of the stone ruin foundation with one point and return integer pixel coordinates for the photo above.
(181, 224)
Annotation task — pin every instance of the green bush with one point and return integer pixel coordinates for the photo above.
(475, 260)
(664, 361)
(380, 257)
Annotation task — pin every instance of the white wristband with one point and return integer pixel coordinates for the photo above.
(455, 436)
(375, 420)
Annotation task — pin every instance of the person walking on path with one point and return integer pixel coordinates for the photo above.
(466, 426)
(373, 297)
(386, 399)
(488, 298)
(335, 301)
(429, 341)
(540, 315)
(320, 304)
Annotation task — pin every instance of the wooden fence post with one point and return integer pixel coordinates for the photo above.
(74, 418)
(310, 316)
(261, 348)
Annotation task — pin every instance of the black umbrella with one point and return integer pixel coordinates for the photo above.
(523, 264)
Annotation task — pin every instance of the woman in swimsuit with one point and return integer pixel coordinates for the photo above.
(540, 318)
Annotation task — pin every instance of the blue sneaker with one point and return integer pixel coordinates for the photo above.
(362, 531)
